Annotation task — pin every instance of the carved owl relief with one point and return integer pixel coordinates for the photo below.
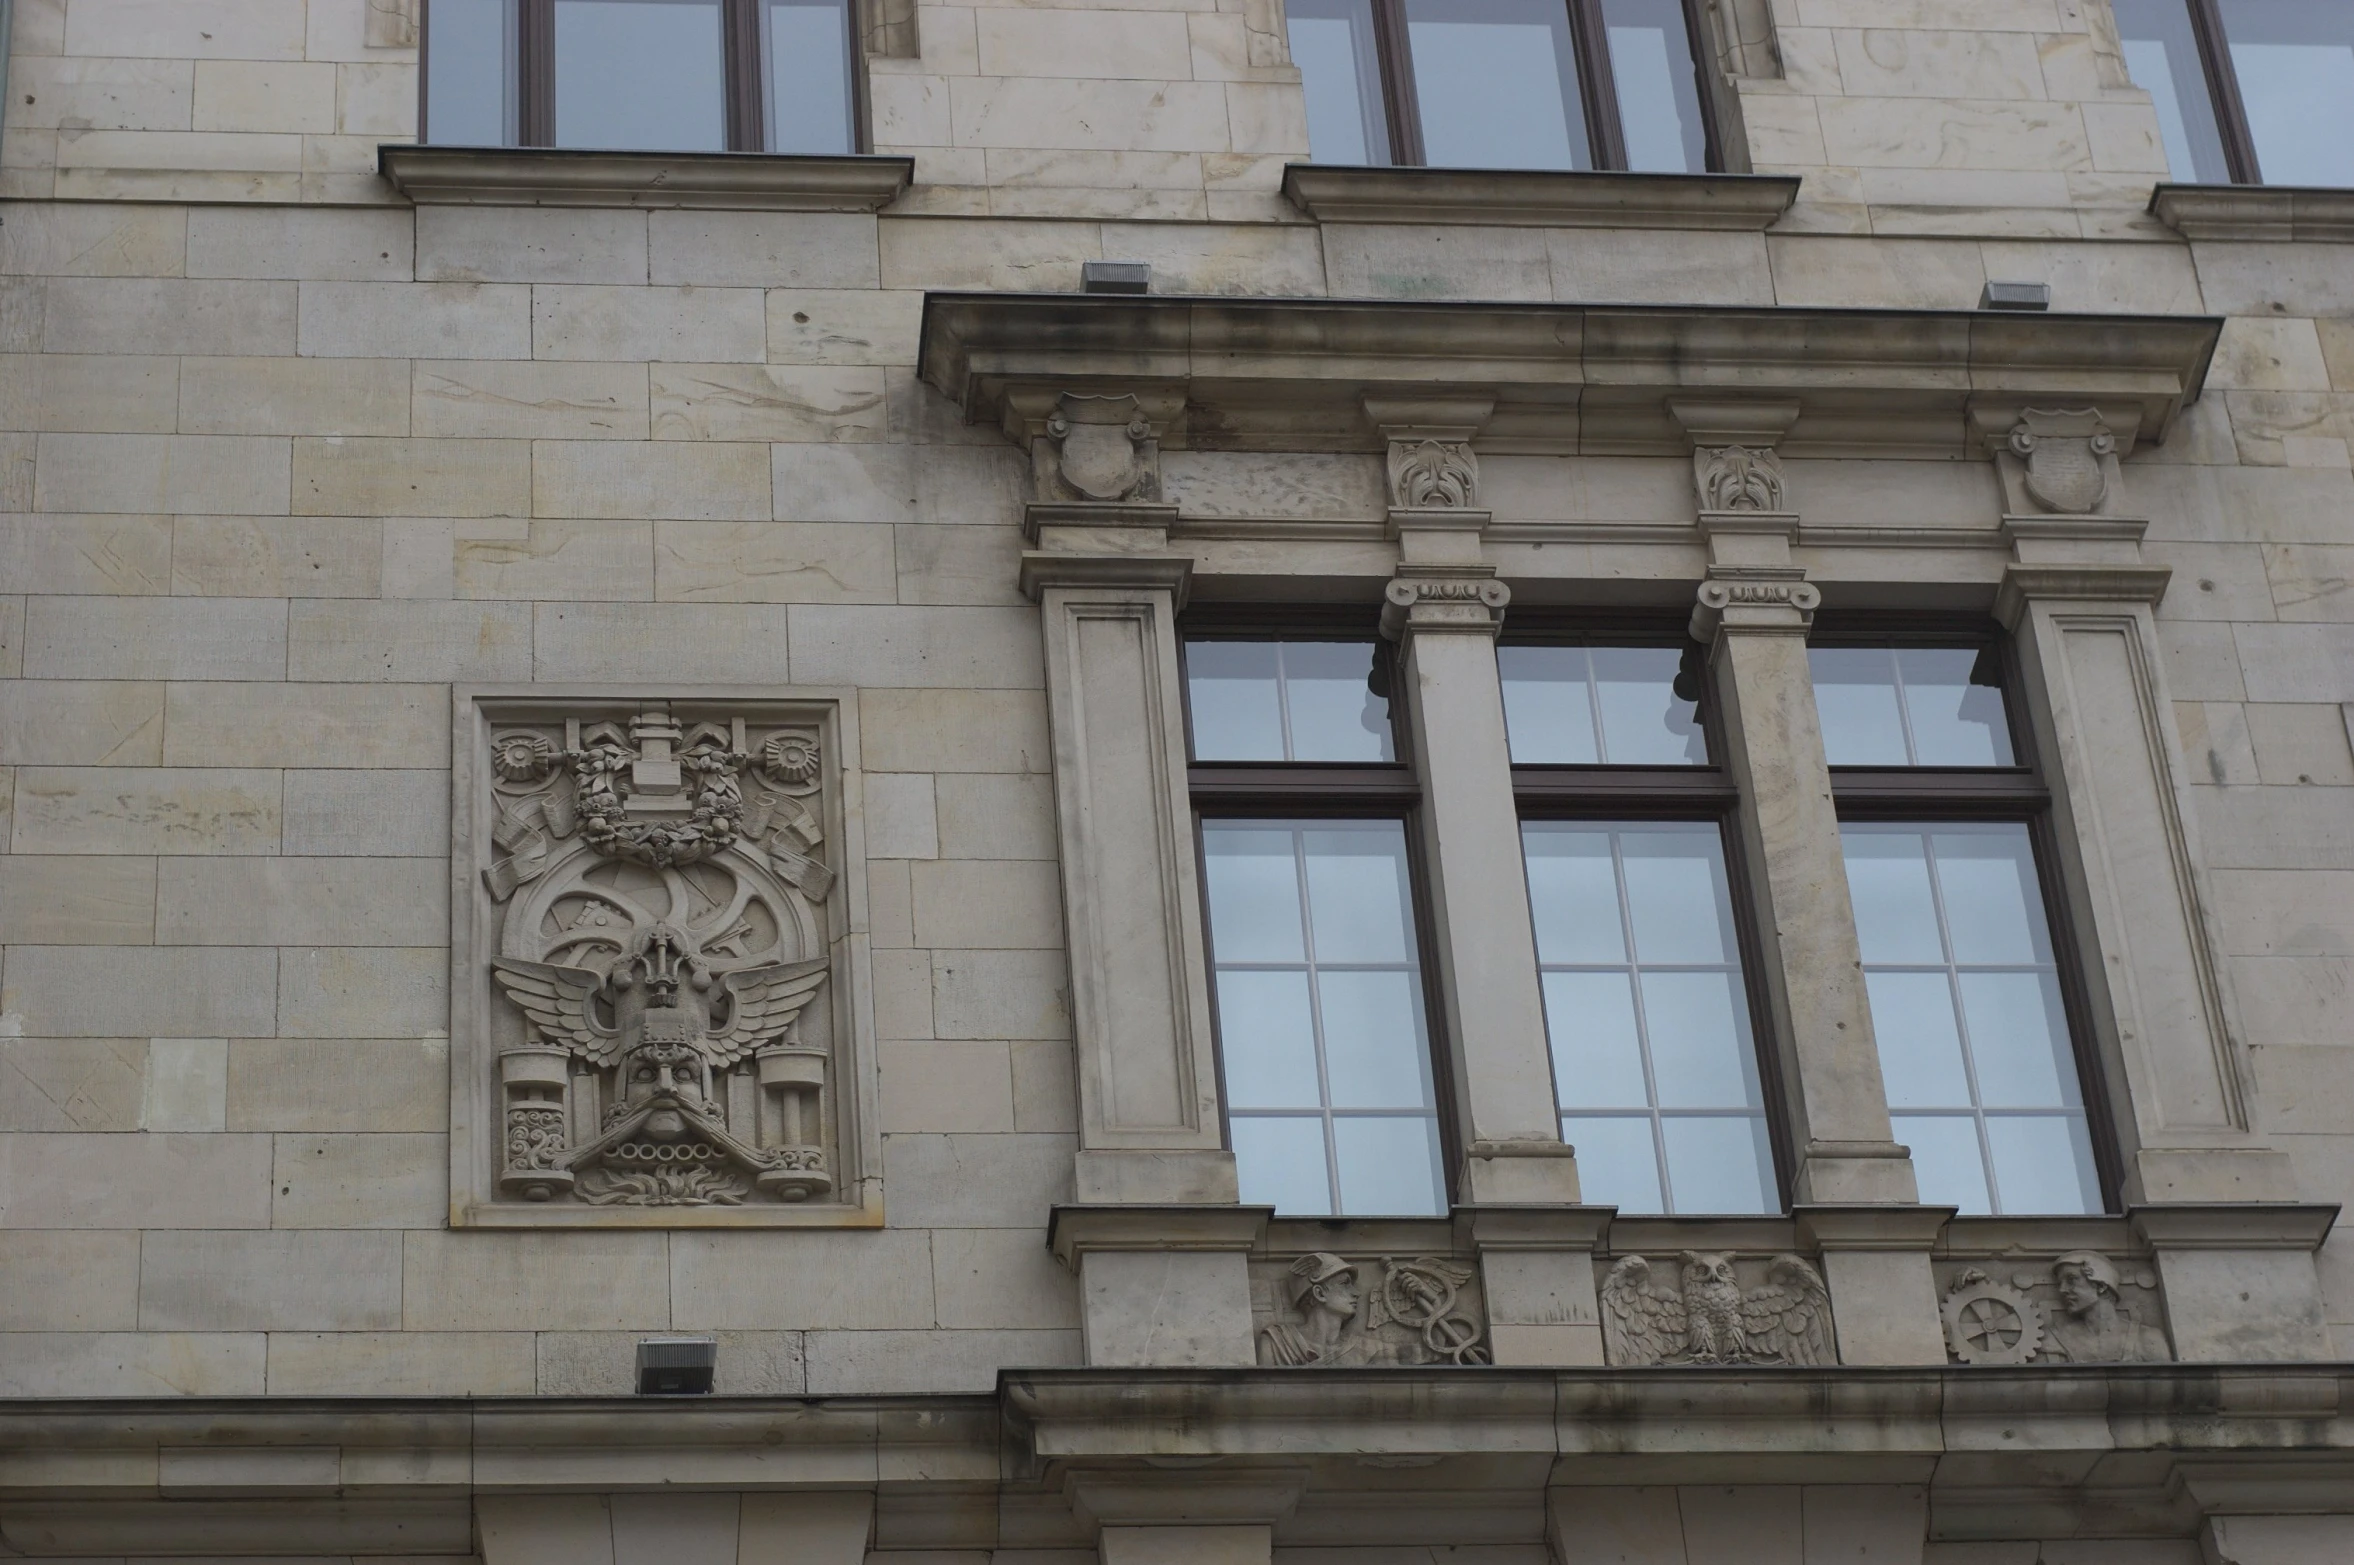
(1707, 1317)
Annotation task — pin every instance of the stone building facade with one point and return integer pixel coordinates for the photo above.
(611, 746)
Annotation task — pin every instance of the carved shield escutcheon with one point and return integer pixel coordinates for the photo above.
(2065, 458)
(1101, 460)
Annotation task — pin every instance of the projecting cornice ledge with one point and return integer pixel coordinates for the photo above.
(552, 176)
(1542, 198)
(2275, 212)
(1565, 379)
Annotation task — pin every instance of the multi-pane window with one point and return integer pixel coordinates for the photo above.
(2247, 91)
(1938, 829)
(1315, 955)
(1647, 1007)
(641, 75)
(1503, 84)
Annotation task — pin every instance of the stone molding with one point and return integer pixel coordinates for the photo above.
(1275, 374)
(1753, 600)
(1224, 1497)
(1461, 599)
(1044, 568)
(1330, 193)
(2253, 1225)
(2025, 584)
(2255, 212)
(551, 176)
(659, 1002)
(1076, 1230)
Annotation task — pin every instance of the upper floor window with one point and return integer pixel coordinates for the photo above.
(1315, 947)
(641, 75)
(2247, 91)
(1504, 84)
(1648, 1009)
(1940, 827)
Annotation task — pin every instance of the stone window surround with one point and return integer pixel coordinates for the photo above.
(564, 176)
(2279, 213)
(1733, 391)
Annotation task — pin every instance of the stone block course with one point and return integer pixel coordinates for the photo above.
(855, 1281)
(530, 401)
(233, 475)
(471, 1281)
(288, 901)
(277, 556)
(101, 555)
(401, 1363)
(773, 562)
(64, 1280)
(366, 320)
(289, 396)
(338, 1084)
(76, 899)
(145, 314)
(152, 1182)
(361, 992)
(67, 1084)
(374, 1180)
(272, 1280)
(78, 722)
(146, 810)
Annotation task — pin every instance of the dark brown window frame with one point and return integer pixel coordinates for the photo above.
(745, 105)
(1664, 793)
(2223, 92)
(2017, 793)
(1323, 790)
(1597, 85)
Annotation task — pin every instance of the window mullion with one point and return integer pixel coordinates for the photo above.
(2223, 86)
(535, 55)
(1605, 131)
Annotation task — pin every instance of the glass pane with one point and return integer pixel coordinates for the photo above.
(2019, 1041)
(1373, 1050)
(1955, 721)
(2162, 55)
(1888, 881)
(1855, 692)
(1497, 84)
(640, 75)
(1597, 1057)
(1234, 698)
(1644, 721)
(1389, 1167)
(1698, 1024)
(808, 84)
(1358, 892)
(1947, 1164)
(1618, 1165)
(1719, 1165)
(1280, 1163)
(2043, 1164)
(1658, 92)
(1920, 1048)
(1332, 44)
(1548, 706)
(1573, 893)
(1254, 884)
(1269, 1040)
(470, 73)
(1993, 903)
(2295, 63)
(1676, 893)
(1334, 714)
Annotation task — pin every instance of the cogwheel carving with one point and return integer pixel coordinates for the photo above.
(1988, 1322)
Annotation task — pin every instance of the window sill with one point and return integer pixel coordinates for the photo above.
(2258, 212)
(1519, 198)
(547, 176)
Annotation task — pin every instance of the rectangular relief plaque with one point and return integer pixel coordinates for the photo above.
(659, 992)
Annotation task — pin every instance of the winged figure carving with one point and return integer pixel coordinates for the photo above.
(1706, 1317)
(600, 1016)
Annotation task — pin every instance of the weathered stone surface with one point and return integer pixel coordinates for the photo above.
(277, 1280)
(360, 1181)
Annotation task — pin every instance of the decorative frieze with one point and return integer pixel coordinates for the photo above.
(1716, 1308)
(2077, 1308)
(654, 978)
(1323, 1311)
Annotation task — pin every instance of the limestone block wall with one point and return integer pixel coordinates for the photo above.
(276, 472)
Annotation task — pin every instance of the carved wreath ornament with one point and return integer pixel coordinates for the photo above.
(662, 943)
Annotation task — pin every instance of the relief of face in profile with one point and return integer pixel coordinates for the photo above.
(2092, 1325)
(1323, 1291)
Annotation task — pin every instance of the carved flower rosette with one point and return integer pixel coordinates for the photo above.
(655, 923)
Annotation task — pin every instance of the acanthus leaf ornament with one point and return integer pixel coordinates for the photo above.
(1739, 478)
(1433, 475)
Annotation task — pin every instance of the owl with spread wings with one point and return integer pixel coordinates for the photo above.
(1708, 1318)
(602, 1016)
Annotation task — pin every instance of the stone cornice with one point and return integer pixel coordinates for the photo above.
(1295, 374)
(1524, 198)
(2260, 212)
(549, 176)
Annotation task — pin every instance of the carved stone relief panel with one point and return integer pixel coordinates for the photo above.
(1433, 475)
(1321, 1310)
(655, 988)
(1102, 450)
(1713, 1307)
(1739, 479)
(2080, 1307)
(2059, 462)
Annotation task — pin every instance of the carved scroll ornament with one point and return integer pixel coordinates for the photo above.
(1706, 1316)
(1433, 475)
(662, 944)
(1739, 478)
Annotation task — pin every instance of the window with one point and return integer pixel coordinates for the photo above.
(1315, 950)
(1969, 996)
(2247, 91)
(1504, 84)
(1648, 1009)
(641, 75)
